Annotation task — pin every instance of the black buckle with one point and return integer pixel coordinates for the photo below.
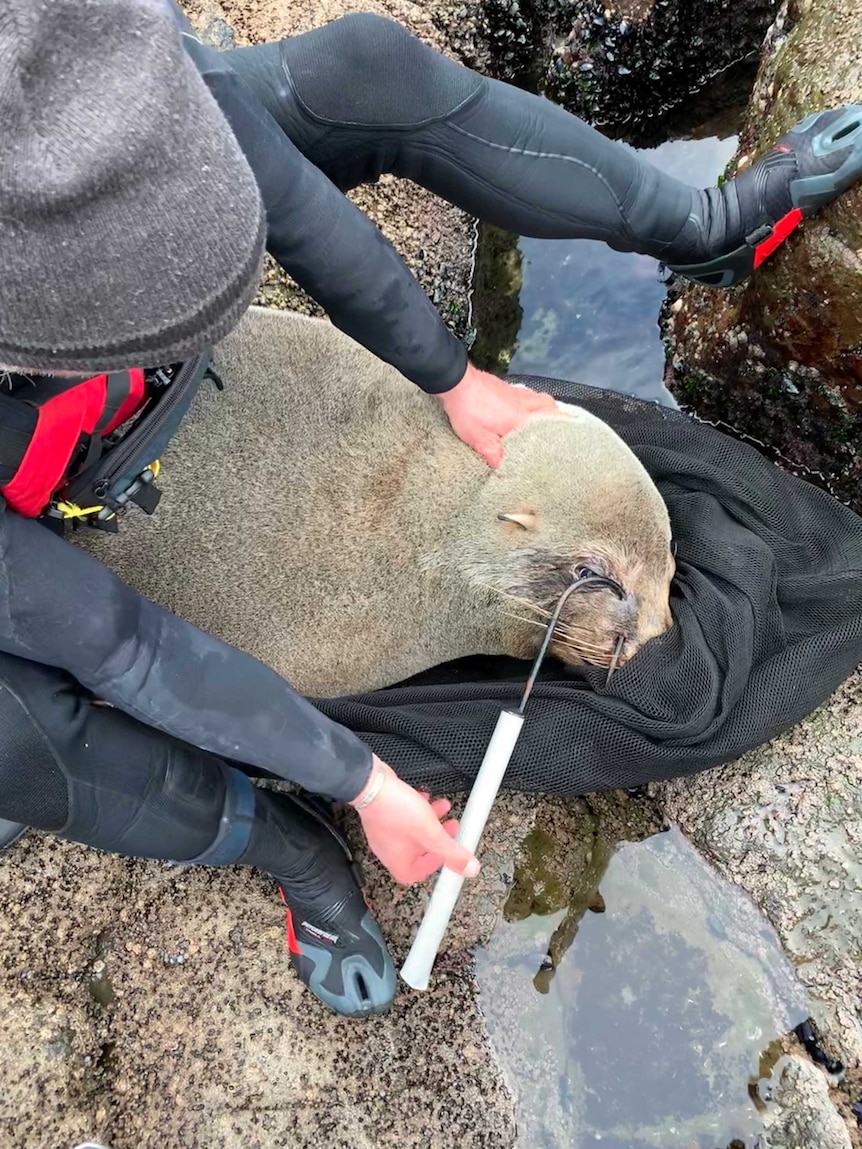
(142, 491)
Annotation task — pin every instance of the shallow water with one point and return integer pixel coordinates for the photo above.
(590, 313)
(658, 1013)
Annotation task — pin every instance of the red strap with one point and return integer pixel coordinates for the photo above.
(61, 422)
(779, 234)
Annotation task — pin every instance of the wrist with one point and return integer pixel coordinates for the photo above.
(370, 792)
(456, 392)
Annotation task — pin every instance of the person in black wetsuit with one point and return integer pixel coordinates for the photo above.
(109, 183)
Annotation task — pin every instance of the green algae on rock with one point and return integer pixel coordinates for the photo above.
(495, 293)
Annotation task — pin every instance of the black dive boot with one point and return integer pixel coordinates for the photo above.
(809, 167)
(335, 945)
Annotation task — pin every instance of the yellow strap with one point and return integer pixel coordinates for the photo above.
(73, 511)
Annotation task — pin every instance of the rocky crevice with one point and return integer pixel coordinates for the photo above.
(632, 69)
(780, 357)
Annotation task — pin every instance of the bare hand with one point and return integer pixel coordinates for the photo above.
(405, 832)
(482, 409)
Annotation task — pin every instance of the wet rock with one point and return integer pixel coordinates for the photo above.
(629, 68)
(803, 1114)
(229, 1048)
(795, 384)
(646, 67)
(785, 823)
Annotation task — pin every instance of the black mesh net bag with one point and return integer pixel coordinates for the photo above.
(767, 605)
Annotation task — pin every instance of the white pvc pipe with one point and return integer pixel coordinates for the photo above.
(419, 963)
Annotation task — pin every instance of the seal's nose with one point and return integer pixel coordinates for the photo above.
(654, 623)
(654, 618)
(628, 614)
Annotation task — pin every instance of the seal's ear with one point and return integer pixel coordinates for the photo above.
(528, 521)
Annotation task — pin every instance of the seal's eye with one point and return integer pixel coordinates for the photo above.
(600, 581)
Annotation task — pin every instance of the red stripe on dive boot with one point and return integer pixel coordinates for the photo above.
(780, 232)
(292, 943)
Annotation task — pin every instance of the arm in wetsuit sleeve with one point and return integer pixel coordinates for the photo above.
(332, 250)
(62, 608)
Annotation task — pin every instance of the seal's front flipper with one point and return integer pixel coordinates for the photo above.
(809, 167)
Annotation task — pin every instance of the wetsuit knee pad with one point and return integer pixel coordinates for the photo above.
(368, 71)
(96, 776)
(134, 791)
(33, 788)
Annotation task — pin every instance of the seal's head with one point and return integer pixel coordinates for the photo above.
(572, 498)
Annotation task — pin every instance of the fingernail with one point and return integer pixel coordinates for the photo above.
(471, 870)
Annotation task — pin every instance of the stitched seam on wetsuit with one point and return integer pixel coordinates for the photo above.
(545, 156)
(325, 120)
(553, 215)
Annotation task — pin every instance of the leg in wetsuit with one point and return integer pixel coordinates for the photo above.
(91, 774)
(363, 96)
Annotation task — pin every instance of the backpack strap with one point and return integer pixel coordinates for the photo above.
(59, 441)
(106, 485)
(60, 423)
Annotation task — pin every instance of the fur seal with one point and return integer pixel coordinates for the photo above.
(321, 515)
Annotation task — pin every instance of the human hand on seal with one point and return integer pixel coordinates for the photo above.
(404, 829)
(482, 409)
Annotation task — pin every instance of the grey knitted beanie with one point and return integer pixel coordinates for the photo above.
(131, 226)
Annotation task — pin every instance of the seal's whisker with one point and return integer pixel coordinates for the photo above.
(570, 628)
(563, 632)
(593, 658)
(618, 649)
(561, 628)
(589, 652)
(569, 636)
(530, 621)
(516, 598)
(587, 637)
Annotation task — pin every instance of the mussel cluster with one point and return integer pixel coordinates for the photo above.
(623, 74)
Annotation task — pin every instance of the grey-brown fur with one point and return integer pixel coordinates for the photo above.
(321, 515)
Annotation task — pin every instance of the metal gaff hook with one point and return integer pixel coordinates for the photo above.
(578, 584)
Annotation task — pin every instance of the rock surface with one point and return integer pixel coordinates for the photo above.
(146, 1006)
(630, 68)
(780, 357)
(785, 823)
(805, 1115)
